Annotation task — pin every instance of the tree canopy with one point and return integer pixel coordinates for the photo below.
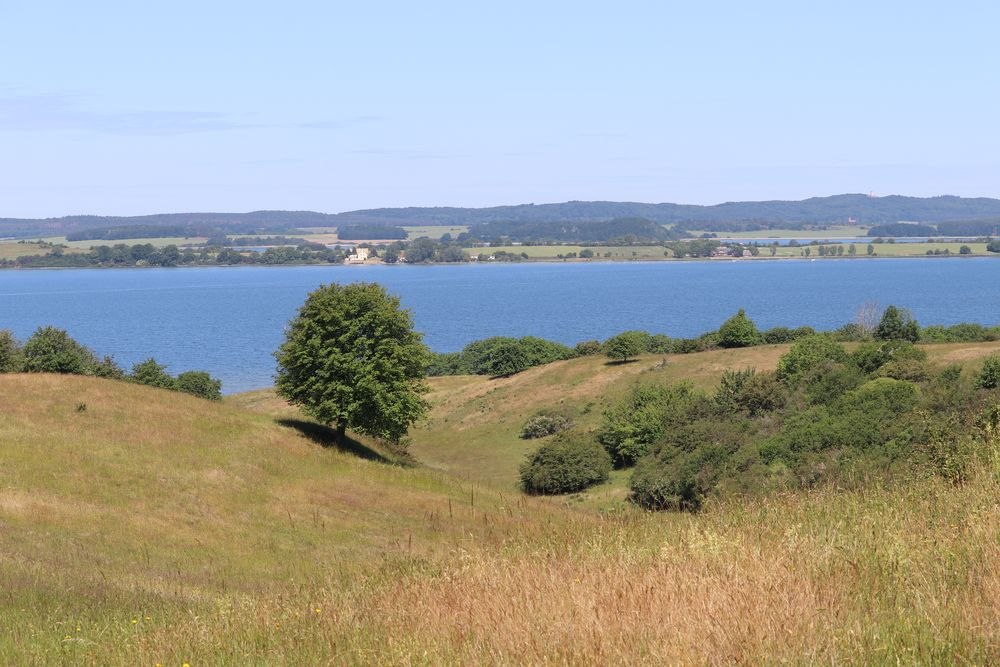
(352, 360)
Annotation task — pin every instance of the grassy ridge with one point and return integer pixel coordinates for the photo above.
(155, 527)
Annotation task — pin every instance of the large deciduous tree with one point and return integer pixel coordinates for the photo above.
(352, 360)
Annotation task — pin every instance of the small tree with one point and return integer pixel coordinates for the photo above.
(201, 384)
(739, 331)
(626, 345)
(507, 358)
(152, 374)
(51, 350)
(352, 360)
(897, 324)
(11, 360)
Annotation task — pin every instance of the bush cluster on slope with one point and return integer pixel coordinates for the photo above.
(52, 350)
(825, 416)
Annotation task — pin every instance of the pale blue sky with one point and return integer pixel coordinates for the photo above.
(141, 107)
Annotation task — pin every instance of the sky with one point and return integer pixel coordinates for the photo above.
(127, 108)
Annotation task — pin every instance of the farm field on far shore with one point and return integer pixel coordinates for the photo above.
(831, 232)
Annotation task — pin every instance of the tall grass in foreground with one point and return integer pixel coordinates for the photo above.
(908, 574)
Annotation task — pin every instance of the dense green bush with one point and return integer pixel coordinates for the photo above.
(108, 368)
(989, 376)
(632, 426)
(11, 359)
(627, 345)
(564, 465)
(659, 344)
(505, 359)
(447, 363)
(965, 332)
(545, 424)
(152, 374)
(749, 392)
(51, 350)
(808, 353)
(777, 335)
(201, 384)
(897, 324)
(499, 356)
(739, 331)
(871, 356)
(588, 347)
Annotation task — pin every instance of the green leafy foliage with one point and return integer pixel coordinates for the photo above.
(565, 464)
(869, 357)
(506, 358)
(897, 324)
(808, 353)
(749, 392)
(632, 426)
(739, 331)
(351, 359)
(11, 359)
(152, 374)
(201, 384)
(989, 376)
(626, 345)
(51, 350)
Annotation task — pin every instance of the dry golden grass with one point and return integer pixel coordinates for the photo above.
(154, 527)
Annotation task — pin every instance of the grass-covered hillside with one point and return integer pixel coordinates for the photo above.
(145, 526)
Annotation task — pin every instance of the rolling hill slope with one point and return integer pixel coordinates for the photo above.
(144, 526)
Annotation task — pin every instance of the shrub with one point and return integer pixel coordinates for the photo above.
(688, 345)
(911, 370)
(829, 380)
(738, 331)
(565, 465)
(51, 350)
(447, 363)
(989, 376)
(626, 345)
(152, 374)
(588, 347)
(108, 368)
(632, 426)
(502, 356)
(201, 384)
(749, 392)
(897, 324)
(506, 359)
(777, 335)
(659, 344)
(869, 357)
(808, 353)
(11, 359)
(544, 424)
(965, 332)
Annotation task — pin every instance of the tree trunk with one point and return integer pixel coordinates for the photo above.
(341, 433)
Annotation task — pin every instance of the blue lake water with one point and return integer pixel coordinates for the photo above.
(229, 321)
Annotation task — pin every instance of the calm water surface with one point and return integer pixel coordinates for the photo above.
(228, 321)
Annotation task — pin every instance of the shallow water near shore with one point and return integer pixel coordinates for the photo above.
(229, 321)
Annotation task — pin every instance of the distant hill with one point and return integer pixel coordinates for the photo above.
(730, 216)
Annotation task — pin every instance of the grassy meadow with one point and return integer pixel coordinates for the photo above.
(13, 249)
(831, 232)
(146, 526)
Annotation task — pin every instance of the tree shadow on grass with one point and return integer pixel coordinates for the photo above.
(327, 437)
